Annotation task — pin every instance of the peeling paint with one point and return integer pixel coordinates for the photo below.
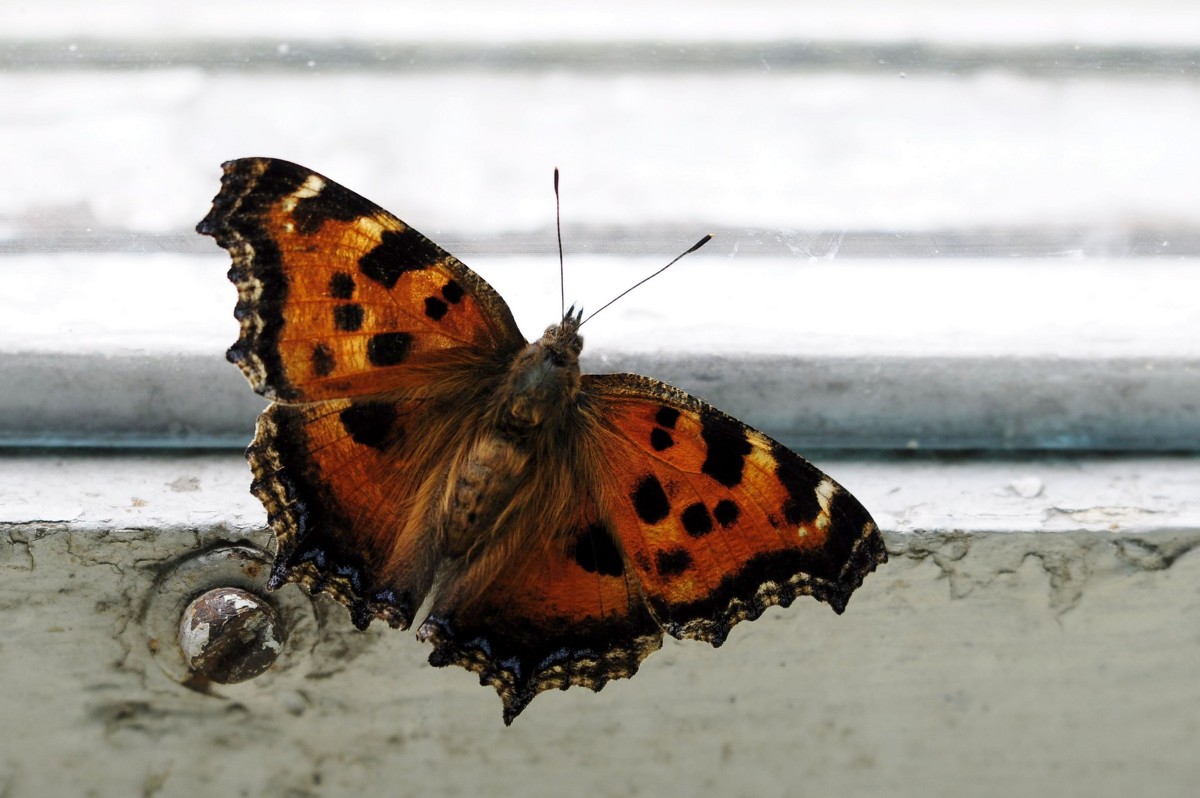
(1110, 517)
(1146, 555)
(185, 485)
(15, 552)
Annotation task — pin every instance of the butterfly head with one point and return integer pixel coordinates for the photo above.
(562, 342)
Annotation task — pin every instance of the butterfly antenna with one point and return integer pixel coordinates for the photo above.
(678, 257)
(562, 288)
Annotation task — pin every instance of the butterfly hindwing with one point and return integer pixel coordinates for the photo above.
(341, 481)
(717, 520)
(567, 614)
(336, 296)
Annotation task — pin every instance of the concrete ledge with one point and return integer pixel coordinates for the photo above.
(1035, 632)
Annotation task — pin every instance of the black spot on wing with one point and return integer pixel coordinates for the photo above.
(726, 448)
(331, 202)
(801, 505)
(650, 501)
(726, 512)
(453, 292)
(696, 520)
(835, 559)
(397, 253)
(435, 308)
(666, 417)
(660, 439)
(389, 349)
(370, 423)
(323, 361)
(341, 285)
(280, 179)
(595, 552)
(673, 562)
(348, 318)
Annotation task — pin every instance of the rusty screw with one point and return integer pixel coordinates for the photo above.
(229, 635)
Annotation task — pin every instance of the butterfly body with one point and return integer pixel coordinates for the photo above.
(421, 452)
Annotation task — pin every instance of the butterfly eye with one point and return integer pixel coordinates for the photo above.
(557, 358)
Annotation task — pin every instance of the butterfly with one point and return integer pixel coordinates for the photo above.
(419, 452)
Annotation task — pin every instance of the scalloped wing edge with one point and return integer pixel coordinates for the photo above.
(287, 517)
(562, 669)
(867, 553)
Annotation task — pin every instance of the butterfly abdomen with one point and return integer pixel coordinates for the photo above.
(480, 485)
(493, 478)
(512, 490)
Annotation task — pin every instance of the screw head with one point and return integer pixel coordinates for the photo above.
(229, 635)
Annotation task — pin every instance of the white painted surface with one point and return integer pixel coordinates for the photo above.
(165, 303)
(1022, 21)
(1128, 495)
(854, 354)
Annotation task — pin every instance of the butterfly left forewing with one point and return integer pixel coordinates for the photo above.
(337, 297)
(379, 348)
(718, 521)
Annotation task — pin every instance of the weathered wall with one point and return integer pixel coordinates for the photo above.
(1008, 656)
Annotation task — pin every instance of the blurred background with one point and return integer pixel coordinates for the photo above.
(1004, 192)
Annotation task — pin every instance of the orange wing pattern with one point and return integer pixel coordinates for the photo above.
(569, 614)
(717, 520)
(336, 296)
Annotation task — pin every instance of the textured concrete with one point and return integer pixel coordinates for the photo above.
(1036, 632)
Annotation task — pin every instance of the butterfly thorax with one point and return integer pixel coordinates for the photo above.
(530, 412)
(543, 381)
